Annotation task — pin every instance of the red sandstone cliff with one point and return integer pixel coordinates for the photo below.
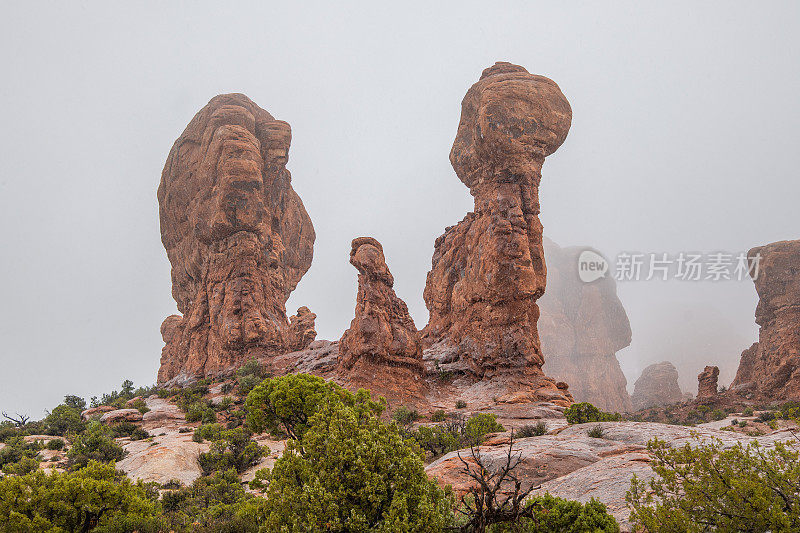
(770, 368)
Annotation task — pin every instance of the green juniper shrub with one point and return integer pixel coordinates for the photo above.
(454, 434)
(766, 416)
(122, 429)
(247, 383)
(284, 405)
(24, 466)
(63, 420)
(19, 456)
(210, 432)
(224, 404)
(249, 375)
(75, 402)
(596, 432)
(314, 486)
(8, 429)
(139, 434)
(96, 498)
(405, 416)
(531, 430)
(94, 444)
(479, 425)
(748, 411)
(585, 412)
(55, 444)
(213, 504)
(438, 416)
(232, 449)
(718, 414)
(707, 487)
(461, 404)
(557, 515)
(140, 405)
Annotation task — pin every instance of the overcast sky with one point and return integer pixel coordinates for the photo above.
(684, 138)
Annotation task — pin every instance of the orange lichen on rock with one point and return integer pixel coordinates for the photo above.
(381, 349)
(237, 236)
(488, 270)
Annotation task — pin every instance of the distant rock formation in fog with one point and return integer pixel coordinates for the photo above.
(582, 326)
(770, 368)
(658, 385)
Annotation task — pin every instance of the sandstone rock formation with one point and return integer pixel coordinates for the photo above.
(301, 329)
(770, 368)
(382, 347)
(582, 326)
(707, 383)
(658, 385)
(237, 236)
(488, 270)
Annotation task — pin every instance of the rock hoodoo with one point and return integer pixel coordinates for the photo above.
(582, 326)
(488, 270)
(237, 236)
(301, 329)
(658, 385)
(770, 368)
(381, 349)
(707, 383)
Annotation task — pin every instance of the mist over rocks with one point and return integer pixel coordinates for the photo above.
(770, 368)
(582, 326)
(658, 385)
(237, 236)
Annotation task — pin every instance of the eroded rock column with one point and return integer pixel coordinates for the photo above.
(237, 236)
(488, 270)
(381, 349)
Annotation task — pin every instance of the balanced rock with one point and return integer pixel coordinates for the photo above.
(237, 236)
(770, 368)
(707, 383)
(582, 326)
(658, 385)
(381, 349)
(488, 270)
(301, 329)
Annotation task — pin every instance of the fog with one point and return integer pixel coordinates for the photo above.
(683, 139)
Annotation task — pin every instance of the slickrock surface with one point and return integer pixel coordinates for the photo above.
(582, 326)
(770, 368)
(93, 411)
(237, 236)
(301, 329)
(168, 457)
(381, 350)
(707, 383)
(488, 270)
(121, 415)
(570, 464)
(658, 385)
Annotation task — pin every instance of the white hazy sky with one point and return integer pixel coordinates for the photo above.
(684, 138)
